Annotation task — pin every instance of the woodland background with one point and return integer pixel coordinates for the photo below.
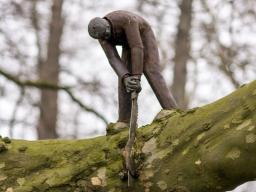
(55, 81)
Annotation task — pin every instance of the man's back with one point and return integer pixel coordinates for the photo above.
(125, 28)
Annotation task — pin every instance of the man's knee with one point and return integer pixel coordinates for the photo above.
(153, 74)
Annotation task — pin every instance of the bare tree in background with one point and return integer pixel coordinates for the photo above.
(49, 70)
(182, 53)
(233, 54)
(41, 70)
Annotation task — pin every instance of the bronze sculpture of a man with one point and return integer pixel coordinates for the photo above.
(139, 56)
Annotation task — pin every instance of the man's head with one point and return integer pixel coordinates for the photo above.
(99, 28)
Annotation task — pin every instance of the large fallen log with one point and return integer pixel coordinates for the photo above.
(211, 148)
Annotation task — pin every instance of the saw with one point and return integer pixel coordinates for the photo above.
(129, 161)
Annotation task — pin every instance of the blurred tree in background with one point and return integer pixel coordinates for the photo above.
(31, 58)
(205, 48)
(49, 69)
(182, 53)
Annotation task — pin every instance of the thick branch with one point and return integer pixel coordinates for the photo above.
(211, 148)
(46, 85)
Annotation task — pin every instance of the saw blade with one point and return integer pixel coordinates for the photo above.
(134, 116)
(132, 135)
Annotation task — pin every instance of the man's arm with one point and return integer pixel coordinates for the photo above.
(114, 59)
(135, 43)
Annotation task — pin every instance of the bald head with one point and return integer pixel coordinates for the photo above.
(99, 28)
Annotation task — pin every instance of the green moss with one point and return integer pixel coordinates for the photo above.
(6, 140)
(199, 148)
(3, 147)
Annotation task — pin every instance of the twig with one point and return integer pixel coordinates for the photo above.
(7, 122)
(15, 111)
(47, 85)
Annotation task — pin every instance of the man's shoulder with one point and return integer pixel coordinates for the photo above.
(122, 15)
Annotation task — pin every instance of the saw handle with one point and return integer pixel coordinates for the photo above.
(134, 95)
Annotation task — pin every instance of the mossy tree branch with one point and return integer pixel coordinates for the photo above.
(211, 148)
(46, 85)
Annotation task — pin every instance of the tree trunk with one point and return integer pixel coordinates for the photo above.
(182, 53)
(211, 149)
(49, 71)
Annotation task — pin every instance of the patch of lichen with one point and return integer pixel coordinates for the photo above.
(190, 131)
(190, 137)
(51, 163)
(200, 142)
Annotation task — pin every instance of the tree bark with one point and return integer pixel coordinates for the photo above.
(49, 71)
(182, 53)
(211, 149)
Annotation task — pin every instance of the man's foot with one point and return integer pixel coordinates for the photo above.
(165, 113)
(114, 128)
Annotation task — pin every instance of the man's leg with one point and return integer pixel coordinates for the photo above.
(153, 73)
(124, 98)
(160, 89)
(124, 103)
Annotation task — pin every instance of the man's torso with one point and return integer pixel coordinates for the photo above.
(121, 19)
